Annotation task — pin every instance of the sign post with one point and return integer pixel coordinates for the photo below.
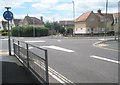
(8, 15)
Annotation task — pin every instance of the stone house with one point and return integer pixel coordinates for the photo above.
(32, 21)
(27, 21)
(93, 23)
(3, 25)
(115, 24)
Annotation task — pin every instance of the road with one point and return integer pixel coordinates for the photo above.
(77, 60)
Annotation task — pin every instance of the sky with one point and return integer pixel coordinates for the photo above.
(55, 10)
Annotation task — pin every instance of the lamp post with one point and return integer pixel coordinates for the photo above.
(106, 18)
(73, 18)
(115, 34)
(33, 28)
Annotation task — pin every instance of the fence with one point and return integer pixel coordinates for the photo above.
(34, 58)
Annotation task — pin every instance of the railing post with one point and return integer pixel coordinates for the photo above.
(14, 46)
(46, 67)
(18, 48)
(27, 55)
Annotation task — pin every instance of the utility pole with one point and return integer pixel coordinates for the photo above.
(33, 28)
(106, 18)
(73, 18)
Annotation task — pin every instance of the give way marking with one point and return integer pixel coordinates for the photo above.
(105, 59)
(35, 41)
(58, 48)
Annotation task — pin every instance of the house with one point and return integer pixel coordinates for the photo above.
(12, 23)
(86, 23)
(32, 21)
(115, 24)
(15, 22)
(3, 25)
(106, 21)
(27, 21)
(93, 23)
(67, 23)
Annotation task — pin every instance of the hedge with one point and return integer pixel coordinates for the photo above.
(4, 32)
(27, 31)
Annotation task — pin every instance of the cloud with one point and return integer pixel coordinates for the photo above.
(63, 7)
(82, 6)
(94, 5)
(44, 4)
(14, 3)
(55, 17)
(49, 1)
(59, 9)
(40, 6)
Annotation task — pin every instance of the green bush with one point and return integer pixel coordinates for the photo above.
(4, 33)
(0, 31)
(41, 31)
(69, 31)
(27, 31)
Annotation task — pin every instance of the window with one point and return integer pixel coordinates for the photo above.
(88, 30)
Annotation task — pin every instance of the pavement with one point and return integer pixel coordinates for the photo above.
(108, 44)
(112, 44)
(14, 72)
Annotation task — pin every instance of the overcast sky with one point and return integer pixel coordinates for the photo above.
(55, 9)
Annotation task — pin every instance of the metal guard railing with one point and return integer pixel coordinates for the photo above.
(36, 63)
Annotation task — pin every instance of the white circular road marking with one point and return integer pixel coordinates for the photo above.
(35, 41)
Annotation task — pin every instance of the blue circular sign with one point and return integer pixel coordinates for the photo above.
(8, 15)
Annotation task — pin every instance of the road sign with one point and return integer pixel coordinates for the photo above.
(8, 15)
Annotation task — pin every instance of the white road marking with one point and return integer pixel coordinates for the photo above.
(35, 41)
(103, 45)
(30, 47)
(5, 39)
(57, 48)
(4, 53)
(59, 77)
(63, 80)
(105, 59)
(59, 40)
(102, 39)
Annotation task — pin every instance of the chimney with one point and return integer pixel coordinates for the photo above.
(99, 11)
(41, 18)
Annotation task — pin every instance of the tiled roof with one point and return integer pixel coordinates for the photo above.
(83, 17)
(16, 21)
(103, 15)
(33, 20)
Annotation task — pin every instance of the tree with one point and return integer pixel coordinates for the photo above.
(55, 26)
(69, 31)
(62, 30)
(48, 25)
